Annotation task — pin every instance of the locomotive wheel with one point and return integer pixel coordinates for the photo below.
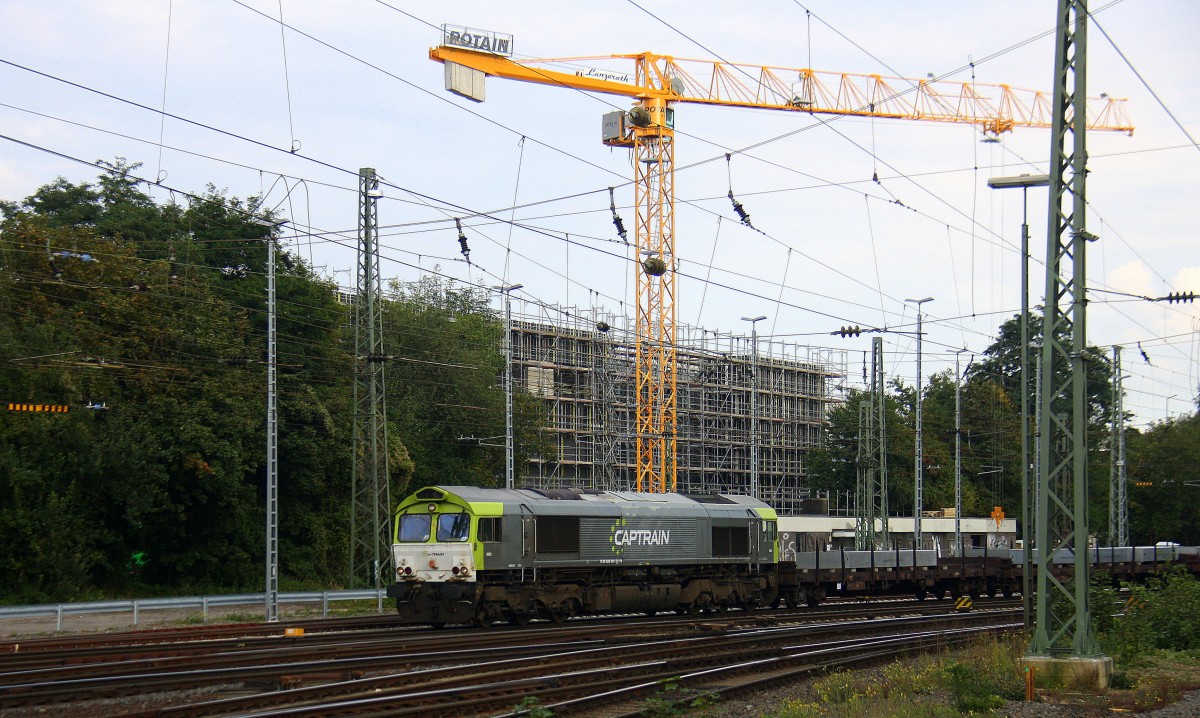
(438, 624)
(563, 611)
(920, 594)
(518, 618)
(483, 620)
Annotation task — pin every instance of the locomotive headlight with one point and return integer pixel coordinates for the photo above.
(454, 570)
(408, 570)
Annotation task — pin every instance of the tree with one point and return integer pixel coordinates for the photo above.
(157, 311)
(445, 391)
(1164, 482)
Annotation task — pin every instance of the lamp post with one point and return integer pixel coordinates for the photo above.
(507, 290)
(1024, 182)
(754, 402)
(919, 480)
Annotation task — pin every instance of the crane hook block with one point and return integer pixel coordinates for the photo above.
(655, 266)
(640, 117)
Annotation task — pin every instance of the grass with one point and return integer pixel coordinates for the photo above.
(972, 681)
(978, 680)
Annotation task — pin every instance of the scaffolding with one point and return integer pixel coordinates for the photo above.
(580, 361)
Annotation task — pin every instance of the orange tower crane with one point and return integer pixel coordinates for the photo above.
(660, 81)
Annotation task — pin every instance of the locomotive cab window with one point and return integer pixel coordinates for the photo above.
(769, 530)
(489, 530)
(414, 528)
(453, 527)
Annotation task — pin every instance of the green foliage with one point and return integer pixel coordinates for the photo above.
(970, 690)
(1160, 615)
(1163, 507)
(530, 706)
(159, 311)
(1121, 681)
(981, 678)
(837, 687)
(674, 700)
(1165, 457)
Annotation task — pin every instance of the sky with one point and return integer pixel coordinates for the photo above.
(291, 112)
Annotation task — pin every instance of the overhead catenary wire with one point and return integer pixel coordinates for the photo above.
(294, 146)
(74, 159)
(510, 226)
(162, 121)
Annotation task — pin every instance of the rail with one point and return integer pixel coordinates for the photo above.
(137, 605)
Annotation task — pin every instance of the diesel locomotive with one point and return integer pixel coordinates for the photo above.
(464, 554)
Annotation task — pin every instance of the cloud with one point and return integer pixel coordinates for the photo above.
(1187, 279)
(1134, 278)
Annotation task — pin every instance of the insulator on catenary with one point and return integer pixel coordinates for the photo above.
(741, 211)
(612, 205)
(1145, 357)
(462, 240)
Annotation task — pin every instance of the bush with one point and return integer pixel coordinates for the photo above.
(1158, 616)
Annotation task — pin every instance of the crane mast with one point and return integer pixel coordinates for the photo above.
(654, 328)
(647, 129)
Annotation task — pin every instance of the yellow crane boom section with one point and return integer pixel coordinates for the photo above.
(657, 82)
(995, 108)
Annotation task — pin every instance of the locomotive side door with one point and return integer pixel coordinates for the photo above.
(528, 535)
(756, 539)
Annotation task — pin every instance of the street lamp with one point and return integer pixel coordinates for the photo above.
(1024, 182)
(754, 402)
(918, 481)
(507, 290)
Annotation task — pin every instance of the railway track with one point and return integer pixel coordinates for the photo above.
(365, 670)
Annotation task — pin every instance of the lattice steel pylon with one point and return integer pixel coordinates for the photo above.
(370, 539)
(1118, 499)
(1063, 618)
(871, 503)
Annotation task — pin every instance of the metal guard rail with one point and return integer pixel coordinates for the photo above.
(137, 605)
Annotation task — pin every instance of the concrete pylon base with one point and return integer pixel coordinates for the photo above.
(1090, 672)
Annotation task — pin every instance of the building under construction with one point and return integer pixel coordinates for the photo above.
(581, 362)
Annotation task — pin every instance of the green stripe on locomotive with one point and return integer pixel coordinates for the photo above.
(447, 502)
(770, 518)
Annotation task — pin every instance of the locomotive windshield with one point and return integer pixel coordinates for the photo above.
(414, 528)
(452, 527)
